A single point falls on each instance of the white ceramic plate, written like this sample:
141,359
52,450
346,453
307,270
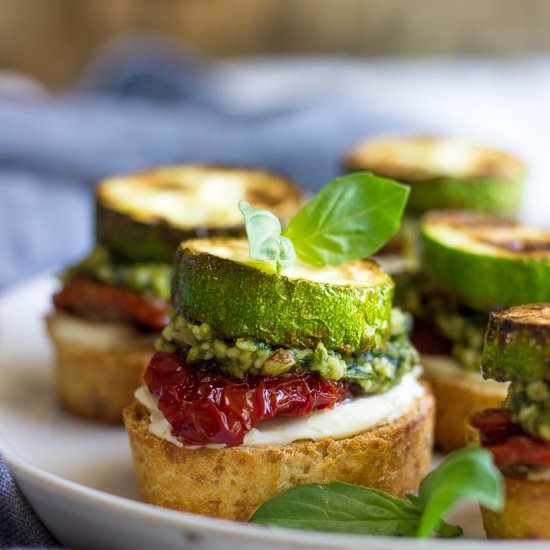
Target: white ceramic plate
78,475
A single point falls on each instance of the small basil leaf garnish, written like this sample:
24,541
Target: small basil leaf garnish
264,236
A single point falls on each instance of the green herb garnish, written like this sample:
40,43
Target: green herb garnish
342,508
350,218
264,236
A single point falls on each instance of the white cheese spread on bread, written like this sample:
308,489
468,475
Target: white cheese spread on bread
348,419
99,336
443,366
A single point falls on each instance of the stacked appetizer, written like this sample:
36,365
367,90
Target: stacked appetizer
445,173
284,363
442,173
474,263
517,349
114,303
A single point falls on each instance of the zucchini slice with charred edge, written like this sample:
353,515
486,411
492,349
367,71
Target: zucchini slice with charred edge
489,262
517,343
346,307
144,216
444,173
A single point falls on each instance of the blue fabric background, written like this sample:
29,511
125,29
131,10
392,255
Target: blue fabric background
138,110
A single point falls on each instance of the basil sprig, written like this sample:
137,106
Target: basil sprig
350,218
342,508
264,236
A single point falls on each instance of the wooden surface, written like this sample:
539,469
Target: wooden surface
53,38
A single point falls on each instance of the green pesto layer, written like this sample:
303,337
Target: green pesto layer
146,278
530,406
374,371
461,325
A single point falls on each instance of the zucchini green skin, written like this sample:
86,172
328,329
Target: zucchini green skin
136,241
483,281
491,195
517,350
238,300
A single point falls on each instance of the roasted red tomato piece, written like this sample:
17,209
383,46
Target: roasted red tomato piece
427,339
205,407
507,441
102,302
495,426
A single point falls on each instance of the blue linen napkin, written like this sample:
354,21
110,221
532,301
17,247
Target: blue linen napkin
19,526
145,105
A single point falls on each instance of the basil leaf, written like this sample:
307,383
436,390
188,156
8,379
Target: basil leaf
464,474
344,508
447,530
263,230
350,218
444,529
341,508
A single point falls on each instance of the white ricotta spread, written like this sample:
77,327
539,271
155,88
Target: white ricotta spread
443,366
103,336
345,420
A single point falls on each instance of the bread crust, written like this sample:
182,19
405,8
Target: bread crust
232,482
526,508
457,398
97,382
526,512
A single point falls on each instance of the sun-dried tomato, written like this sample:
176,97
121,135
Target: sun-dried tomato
103,302
507,441
427,339
495,426
206,407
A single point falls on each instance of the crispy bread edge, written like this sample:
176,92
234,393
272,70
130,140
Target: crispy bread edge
232,482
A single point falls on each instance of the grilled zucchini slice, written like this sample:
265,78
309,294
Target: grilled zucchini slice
346,307
144,216
488,261
517,344
445,173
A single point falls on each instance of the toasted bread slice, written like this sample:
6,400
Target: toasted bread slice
99,365
233,482
458,395
525,512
